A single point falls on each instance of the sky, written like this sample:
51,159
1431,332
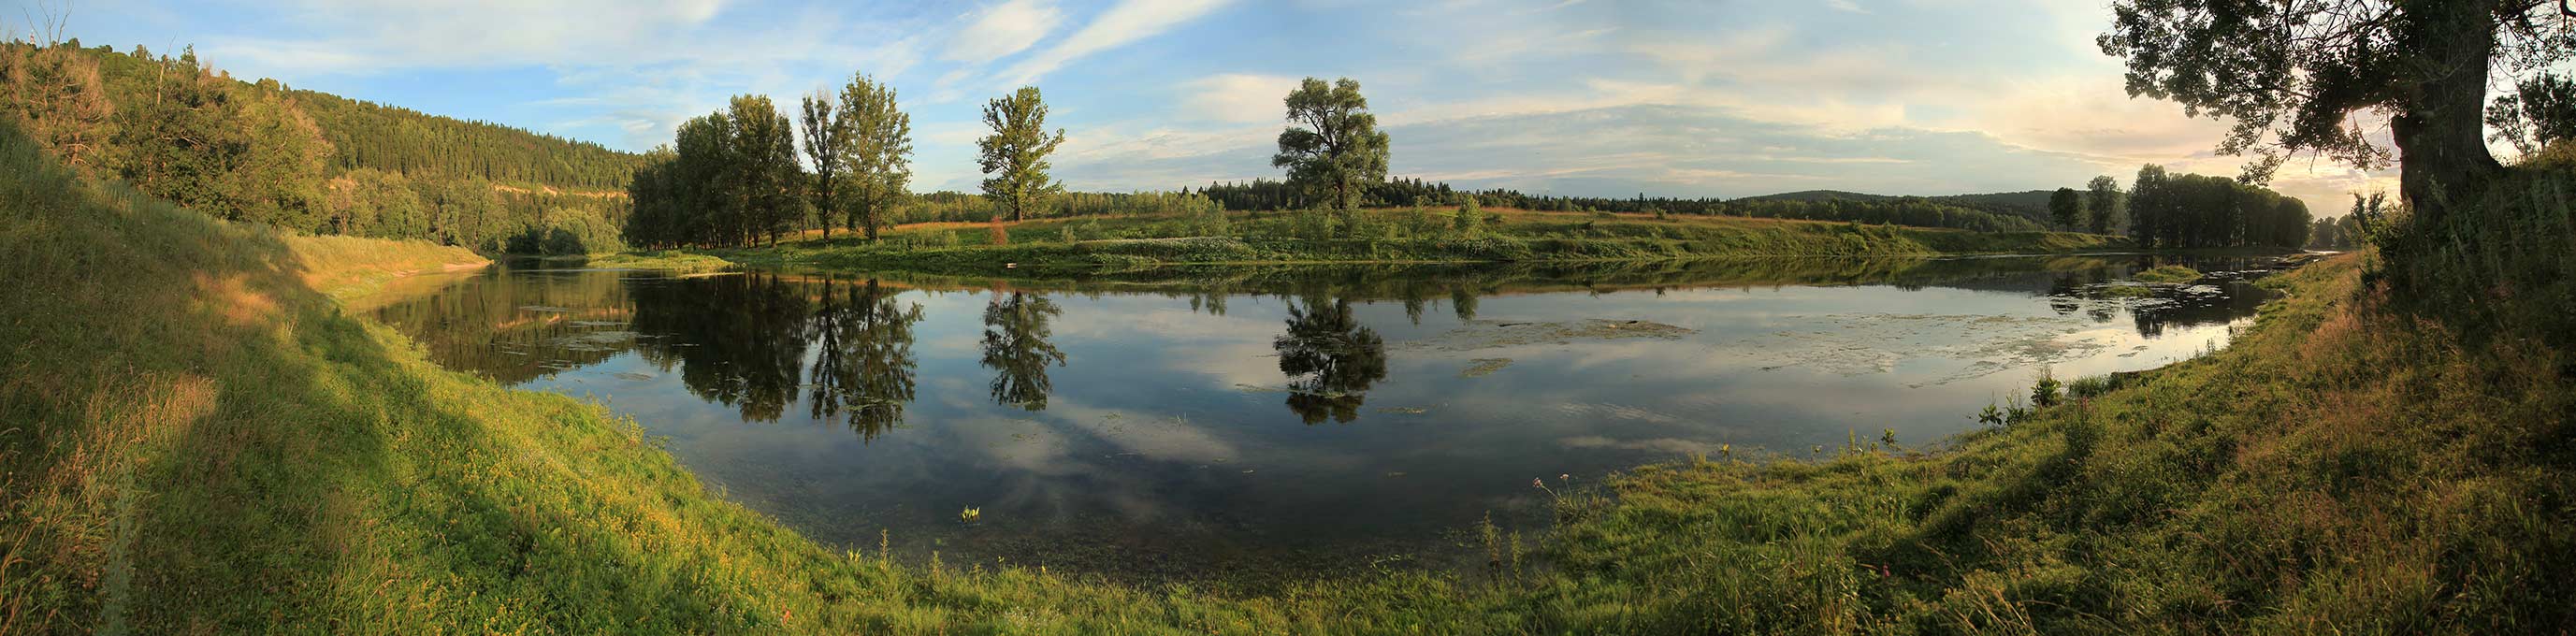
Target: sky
1685,98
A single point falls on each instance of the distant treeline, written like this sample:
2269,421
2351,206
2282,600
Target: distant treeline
1266,194
264,153
952,206
2190,210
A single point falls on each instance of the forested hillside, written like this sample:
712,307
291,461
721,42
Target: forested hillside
307,161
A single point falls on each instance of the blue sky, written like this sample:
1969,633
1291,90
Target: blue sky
1600,97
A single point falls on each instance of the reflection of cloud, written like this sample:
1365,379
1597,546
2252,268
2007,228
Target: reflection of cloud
1672,445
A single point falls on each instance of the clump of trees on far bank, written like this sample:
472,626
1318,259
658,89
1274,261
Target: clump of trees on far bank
2190,210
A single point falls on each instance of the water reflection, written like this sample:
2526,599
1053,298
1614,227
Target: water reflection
1134,419
863,363
735,340
1017,350
1330,359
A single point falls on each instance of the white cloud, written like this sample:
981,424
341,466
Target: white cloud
996,31
1845,5
464,33
1128,21
1238,97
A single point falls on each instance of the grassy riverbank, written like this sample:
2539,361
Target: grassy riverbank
198,440
1085,244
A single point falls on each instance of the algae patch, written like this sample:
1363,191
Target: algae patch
1482,367
1493,334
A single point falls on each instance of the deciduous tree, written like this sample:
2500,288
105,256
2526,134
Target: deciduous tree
2066,209
879,153
1332,144
2292,74
1015,154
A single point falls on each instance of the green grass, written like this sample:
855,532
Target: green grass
198,441
1383,237
666,260
2169,274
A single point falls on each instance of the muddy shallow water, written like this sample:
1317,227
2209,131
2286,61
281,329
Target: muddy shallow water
1220,422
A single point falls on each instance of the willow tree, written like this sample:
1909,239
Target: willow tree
1015,154
1332,144
2292,74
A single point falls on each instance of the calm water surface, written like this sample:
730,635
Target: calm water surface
1284,419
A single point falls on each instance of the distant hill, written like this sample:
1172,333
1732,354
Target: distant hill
1821,195
259,151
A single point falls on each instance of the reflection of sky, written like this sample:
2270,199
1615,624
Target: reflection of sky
1166,431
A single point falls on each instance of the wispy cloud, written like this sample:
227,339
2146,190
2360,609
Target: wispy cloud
1004,28
1125,22
1238,97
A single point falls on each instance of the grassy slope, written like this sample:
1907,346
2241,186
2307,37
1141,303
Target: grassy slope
1521,236
199,442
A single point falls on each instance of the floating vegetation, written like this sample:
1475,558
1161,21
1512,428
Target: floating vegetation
1861,344
970,515
1484,366
629,375
1403,410
1489,334
2169,274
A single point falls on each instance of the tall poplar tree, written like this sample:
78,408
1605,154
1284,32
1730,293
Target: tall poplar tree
1015,154
767,182
878,154
826,130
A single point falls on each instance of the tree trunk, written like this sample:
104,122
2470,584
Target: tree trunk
2441,141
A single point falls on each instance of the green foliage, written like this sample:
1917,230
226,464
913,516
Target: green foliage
1014,156
2169,274
2043,391
1469,220
1333,148
310,162
2539,112
733,179
2190,210
2505,274
2105,206
878,152
2066,209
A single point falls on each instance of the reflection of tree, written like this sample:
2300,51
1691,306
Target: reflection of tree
514,327
738,340
863,360
1016,348
1330,360
2239,299
1462,300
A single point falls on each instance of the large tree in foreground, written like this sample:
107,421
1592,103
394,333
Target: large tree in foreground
1015,154
1332,144
2293,73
